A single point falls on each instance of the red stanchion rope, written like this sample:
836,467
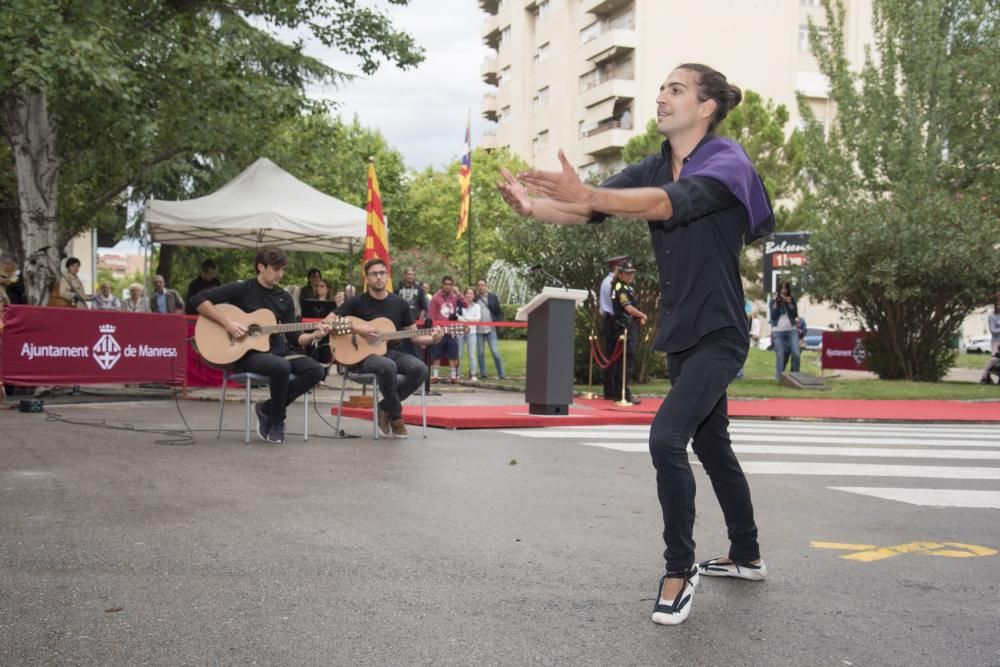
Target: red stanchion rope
604,362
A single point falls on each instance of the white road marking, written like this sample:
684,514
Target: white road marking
930,497
861,452
866,470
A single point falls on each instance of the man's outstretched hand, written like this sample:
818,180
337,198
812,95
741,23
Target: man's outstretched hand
562,186
514,193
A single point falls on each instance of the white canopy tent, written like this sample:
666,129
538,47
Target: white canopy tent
264,205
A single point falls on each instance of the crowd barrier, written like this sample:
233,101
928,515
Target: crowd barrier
69,346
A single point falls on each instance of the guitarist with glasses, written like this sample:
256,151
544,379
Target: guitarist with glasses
258,293
377,302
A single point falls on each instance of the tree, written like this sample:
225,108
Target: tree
99,96
430,213
906,233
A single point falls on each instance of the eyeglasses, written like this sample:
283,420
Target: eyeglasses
376,274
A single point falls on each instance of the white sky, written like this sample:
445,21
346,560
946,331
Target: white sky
422,112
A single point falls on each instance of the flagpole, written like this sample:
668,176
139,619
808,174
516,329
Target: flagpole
468,124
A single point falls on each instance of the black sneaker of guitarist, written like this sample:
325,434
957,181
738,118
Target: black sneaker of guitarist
399,374
276,363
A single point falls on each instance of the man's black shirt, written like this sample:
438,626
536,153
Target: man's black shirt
393,307
250,295
697,252
197,286
413,295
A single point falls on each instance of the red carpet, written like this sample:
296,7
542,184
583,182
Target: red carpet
600,413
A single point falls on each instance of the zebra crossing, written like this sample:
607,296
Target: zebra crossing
952,453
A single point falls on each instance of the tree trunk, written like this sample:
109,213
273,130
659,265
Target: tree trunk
33,142
165,265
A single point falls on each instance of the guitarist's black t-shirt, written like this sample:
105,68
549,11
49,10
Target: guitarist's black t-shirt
392,307
250,295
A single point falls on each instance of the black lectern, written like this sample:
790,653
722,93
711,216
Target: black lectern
551,320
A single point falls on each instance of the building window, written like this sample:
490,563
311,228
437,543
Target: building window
542,10
540,141
590,33
505,35
541,54
541,98
504,115
810,3
504,76
804,38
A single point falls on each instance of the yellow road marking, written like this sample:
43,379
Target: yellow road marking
867,553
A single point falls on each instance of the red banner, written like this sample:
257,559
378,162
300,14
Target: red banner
69,346
844,350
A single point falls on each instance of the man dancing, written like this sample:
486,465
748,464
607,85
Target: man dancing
703,200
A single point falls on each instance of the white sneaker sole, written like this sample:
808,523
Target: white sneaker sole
748,571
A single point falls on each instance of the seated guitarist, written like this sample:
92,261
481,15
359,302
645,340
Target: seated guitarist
254,294
375,302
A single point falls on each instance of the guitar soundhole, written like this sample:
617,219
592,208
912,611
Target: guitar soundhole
253,330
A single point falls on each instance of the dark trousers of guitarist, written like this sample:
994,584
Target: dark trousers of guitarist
399,375
279,369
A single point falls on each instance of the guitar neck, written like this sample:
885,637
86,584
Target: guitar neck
287,328
399,335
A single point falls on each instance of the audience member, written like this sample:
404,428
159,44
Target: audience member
784,336
413,294
136,302
207,278
70,286
164,299
628,318
349,291
489,311
339,298
993,322
471,311
308,291
105,300
11,283
321,303
444,306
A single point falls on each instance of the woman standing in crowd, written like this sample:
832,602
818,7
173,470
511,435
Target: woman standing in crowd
784,335
105,300
470,312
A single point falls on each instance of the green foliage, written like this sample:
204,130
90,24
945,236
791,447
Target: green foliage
906,233
430,215
168,97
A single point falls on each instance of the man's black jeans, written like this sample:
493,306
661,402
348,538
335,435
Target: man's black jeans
308,373
696,407
387,369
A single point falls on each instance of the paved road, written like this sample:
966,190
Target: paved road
482,547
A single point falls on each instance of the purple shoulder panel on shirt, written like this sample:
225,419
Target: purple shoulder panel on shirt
725,160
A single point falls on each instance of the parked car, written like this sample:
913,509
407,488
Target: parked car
813,340
979,345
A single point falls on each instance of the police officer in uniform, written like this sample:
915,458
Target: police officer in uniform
628,317
608,336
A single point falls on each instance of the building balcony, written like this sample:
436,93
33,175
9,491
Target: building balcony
490,32
605,140
610,44
488,140
489,107
620,87
490,6
490,71
601,7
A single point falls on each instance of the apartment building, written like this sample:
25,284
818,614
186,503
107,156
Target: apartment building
583,75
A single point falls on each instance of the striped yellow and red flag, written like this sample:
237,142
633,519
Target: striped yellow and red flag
465,181
377,236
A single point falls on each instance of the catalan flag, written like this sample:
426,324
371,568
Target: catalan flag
377,236
465,181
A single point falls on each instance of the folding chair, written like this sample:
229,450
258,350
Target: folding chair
366,379
254,379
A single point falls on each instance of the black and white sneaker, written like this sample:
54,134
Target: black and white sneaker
675,612
751,571
263,421
276,434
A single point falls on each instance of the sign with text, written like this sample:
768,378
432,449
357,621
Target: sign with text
781,251
844,350
69,346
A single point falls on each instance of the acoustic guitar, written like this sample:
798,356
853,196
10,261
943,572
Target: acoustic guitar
350,348
219,348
